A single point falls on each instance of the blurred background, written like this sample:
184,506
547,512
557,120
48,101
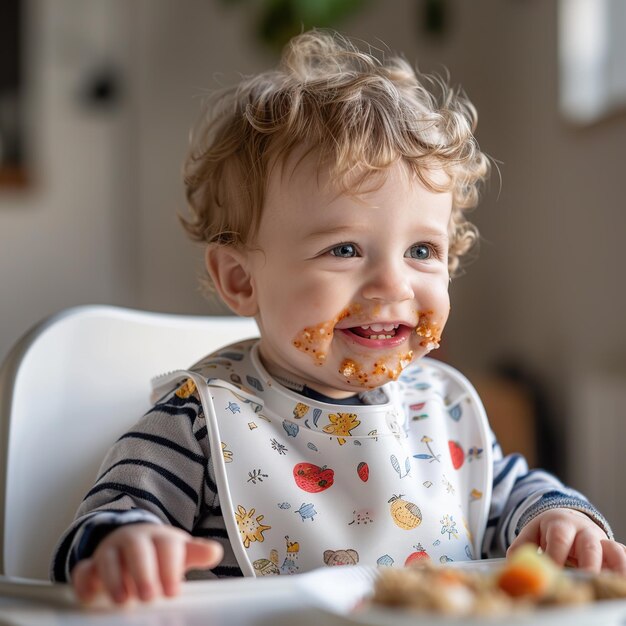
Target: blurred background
96,101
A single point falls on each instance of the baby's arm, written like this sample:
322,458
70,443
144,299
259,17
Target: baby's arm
569,536
142,561
521,496
155,476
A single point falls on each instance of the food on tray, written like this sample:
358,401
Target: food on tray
529,574
525,581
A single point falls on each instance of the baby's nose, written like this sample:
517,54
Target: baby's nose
388,284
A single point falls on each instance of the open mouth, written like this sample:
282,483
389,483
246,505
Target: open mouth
378,335
375,331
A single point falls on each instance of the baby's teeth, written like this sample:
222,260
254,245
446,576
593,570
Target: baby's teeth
380,327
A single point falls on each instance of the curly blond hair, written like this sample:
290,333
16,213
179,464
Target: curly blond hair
359,114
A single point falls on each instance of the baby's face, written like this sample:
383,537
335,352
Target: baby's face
350,289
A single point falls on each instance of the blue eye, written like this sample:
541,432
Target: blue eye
420,251
344,250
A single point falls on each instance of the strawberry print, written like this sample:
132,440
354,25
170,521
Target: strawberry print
363,470
312,478
456,454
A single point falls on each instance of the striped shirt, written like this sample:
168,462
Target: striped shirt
161,472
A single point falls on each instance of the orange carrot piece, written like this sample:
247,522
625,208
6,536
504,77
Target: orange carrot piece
519,580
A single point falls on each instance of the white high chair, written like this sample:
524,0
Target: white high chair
68,389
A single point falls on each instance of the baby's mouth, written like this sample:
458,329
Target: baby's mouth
380,335
375,331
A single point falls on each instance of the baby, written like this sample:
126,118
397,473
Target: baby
331,195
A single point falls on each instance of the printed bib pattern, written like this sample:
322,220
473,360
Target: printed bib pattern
302,483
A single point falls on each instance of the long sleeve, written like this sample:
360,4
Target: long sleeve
158,472
520,494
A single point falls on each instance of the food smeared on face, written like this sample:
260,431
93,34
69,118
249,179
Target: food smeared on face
315,340
383,370
429,331
382,349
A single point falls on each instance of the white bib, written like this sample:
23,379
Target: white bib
303,483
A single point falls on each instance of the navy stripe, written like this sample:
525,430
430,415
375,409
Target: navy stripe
201,434
220,533
168,409
63,555
521,483
209,483
511,515
137,493
224,571
73,559
507,468
555,494
122,495
493,522
186,488
58,566
178,401
174,400
216,510
168,443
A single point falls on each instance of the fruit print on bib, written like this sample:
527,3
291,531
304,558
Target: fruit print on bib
312,478
368,484
405,514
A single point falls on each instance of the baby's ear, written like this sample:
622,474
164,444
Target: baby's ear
228,268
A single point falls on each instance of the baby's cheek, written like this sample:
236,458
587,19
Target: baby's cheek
429,330
315,340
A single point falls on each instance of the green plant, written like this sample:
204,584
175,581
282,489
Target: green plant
276,21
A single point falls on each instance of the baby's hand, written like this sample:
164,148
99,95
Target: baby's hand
142,561
570,536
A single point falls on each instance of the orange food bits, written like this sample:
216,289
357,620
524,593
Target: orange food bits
528,573
520,580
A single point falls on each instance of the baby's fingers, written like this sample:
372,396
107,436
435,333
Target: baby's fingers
202,553
171,558
559,540
528,534
85,580
110,572
140,562
614,556
588,551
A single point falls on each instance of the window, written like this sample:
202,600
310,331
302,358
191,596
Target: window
592,58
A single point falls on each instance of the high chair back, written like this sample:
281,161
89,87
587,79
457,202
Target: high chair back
68,389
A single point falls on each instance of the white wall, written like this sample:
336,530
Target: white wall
184,49
64,240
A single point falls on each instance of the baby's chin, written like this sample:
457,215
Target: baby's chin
343,373
375,371
344,386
